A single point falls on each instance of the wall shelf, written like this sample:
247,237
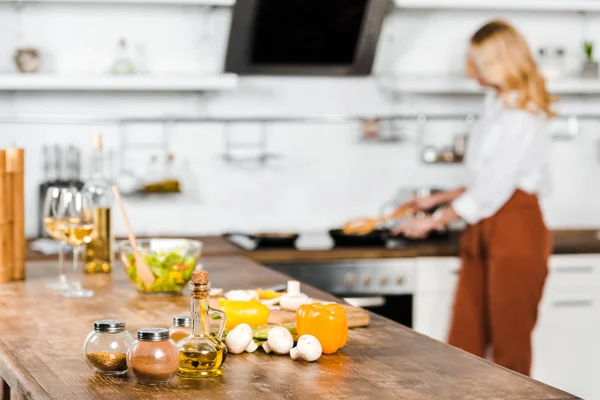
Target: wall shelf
509,5
165,83
207,3
459,85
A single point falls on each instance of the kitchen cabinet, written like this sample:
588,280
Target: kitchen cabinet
436,279
509,5
565,349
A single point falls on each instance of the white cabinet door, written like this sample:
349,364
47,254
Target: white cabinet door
565,341
432,313
436,279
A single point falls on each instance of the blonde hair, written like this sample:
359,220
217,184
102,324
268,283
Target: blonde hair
502,58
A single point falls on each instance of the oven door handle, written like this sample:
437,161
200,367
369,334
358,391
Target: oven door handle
362,302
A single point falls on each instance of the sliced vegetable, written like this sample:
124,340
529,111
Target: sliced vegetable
171,271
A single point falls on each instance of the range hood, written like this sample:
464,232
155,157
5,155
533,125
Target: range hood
304,37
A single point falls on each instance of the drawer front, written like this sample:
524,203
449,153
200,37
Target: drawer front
573,271
437,274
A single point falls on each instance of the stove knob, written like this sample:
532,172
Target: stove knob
400,280
350,280
384,281
367,281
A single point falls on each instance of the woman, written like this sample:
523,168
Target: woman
505,248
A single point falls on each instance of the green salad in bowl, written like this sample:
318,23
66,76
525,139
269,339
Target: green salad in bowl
170,260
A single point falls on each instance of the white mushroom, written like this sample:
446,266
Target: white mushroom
308,348
279,341
239,339
251,347
293,298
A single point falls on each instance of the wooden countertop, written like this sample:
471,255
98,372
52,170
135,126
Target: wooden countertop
565,242
43,333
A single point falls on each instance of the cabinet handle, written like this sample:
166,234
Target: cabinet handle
575,270
573,303
378,301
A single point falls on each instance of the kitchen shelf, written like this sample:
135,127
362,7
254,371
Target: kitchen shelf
509,5
174,83
459,85
208,3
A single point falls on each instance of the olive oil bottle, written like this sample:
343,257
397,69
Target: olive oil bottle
202,354
99,255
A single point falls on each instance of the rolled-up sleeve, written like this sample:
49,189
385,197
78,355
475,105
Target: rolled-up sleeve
497,174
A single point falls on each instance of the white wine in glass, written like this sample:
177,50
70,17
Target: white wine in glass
78,226
78,234
53,225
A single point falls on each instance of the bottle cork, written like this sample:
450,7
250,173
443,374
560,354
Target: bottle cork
200,277
5,233
97,141
15,165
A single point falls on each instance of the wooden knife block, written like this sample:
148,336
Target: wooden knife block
12,214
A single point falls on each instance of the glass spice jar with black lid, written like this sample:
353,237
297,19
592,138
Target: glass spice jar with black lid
153,358
106,347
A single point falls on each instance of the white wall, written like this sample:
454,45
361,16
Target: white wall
325,173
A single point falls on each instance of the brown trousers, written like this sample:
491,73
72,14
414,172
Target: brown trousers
504,267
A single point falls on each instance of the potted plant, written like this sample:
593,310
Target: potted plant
590,67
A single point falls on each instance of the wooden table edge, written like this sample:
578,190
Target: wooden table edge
21,383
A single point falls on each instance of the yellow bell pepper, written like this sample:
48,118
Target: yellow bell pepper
252,312
326,322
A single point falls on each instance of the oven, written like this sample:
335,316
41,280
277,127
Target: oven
383,286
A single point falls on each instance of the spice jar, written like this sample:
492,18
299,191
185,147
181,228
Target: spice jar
106,347
153,358
181,327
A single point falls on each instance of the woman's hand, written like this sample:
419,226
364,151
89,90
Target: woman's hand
416,204
417,228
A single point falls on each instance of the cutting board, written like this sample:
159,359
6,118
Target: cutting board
357,317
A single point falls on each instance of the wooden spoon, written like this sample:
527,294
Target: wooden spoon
364,226
142,268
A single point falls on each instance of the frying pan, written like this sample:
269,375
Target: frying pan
269,240
376,238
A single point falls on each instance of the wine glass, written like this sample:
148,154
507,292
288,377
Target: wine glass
78,224
53,226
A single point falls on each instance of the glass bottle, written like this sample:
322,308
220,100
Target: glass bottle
201,354
106,347
99,255
152,360
123,64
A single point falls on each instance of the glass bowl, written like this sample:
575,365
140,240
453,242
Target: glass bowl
170,260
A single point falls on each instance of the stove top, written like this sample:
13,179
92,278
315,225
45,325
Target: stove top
314,241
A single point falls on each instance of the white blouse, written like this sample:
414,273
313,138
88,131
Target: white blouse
508,149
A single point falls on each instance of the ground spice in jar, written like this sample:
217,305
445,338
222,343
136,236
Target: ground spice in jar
153,358
180,328
107,361
178,334
147,370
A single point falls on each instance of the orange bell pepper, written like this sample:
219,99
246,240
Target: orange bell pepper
326,322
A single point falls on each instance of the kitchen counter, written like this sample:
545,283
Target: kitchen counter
43,333
565,242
